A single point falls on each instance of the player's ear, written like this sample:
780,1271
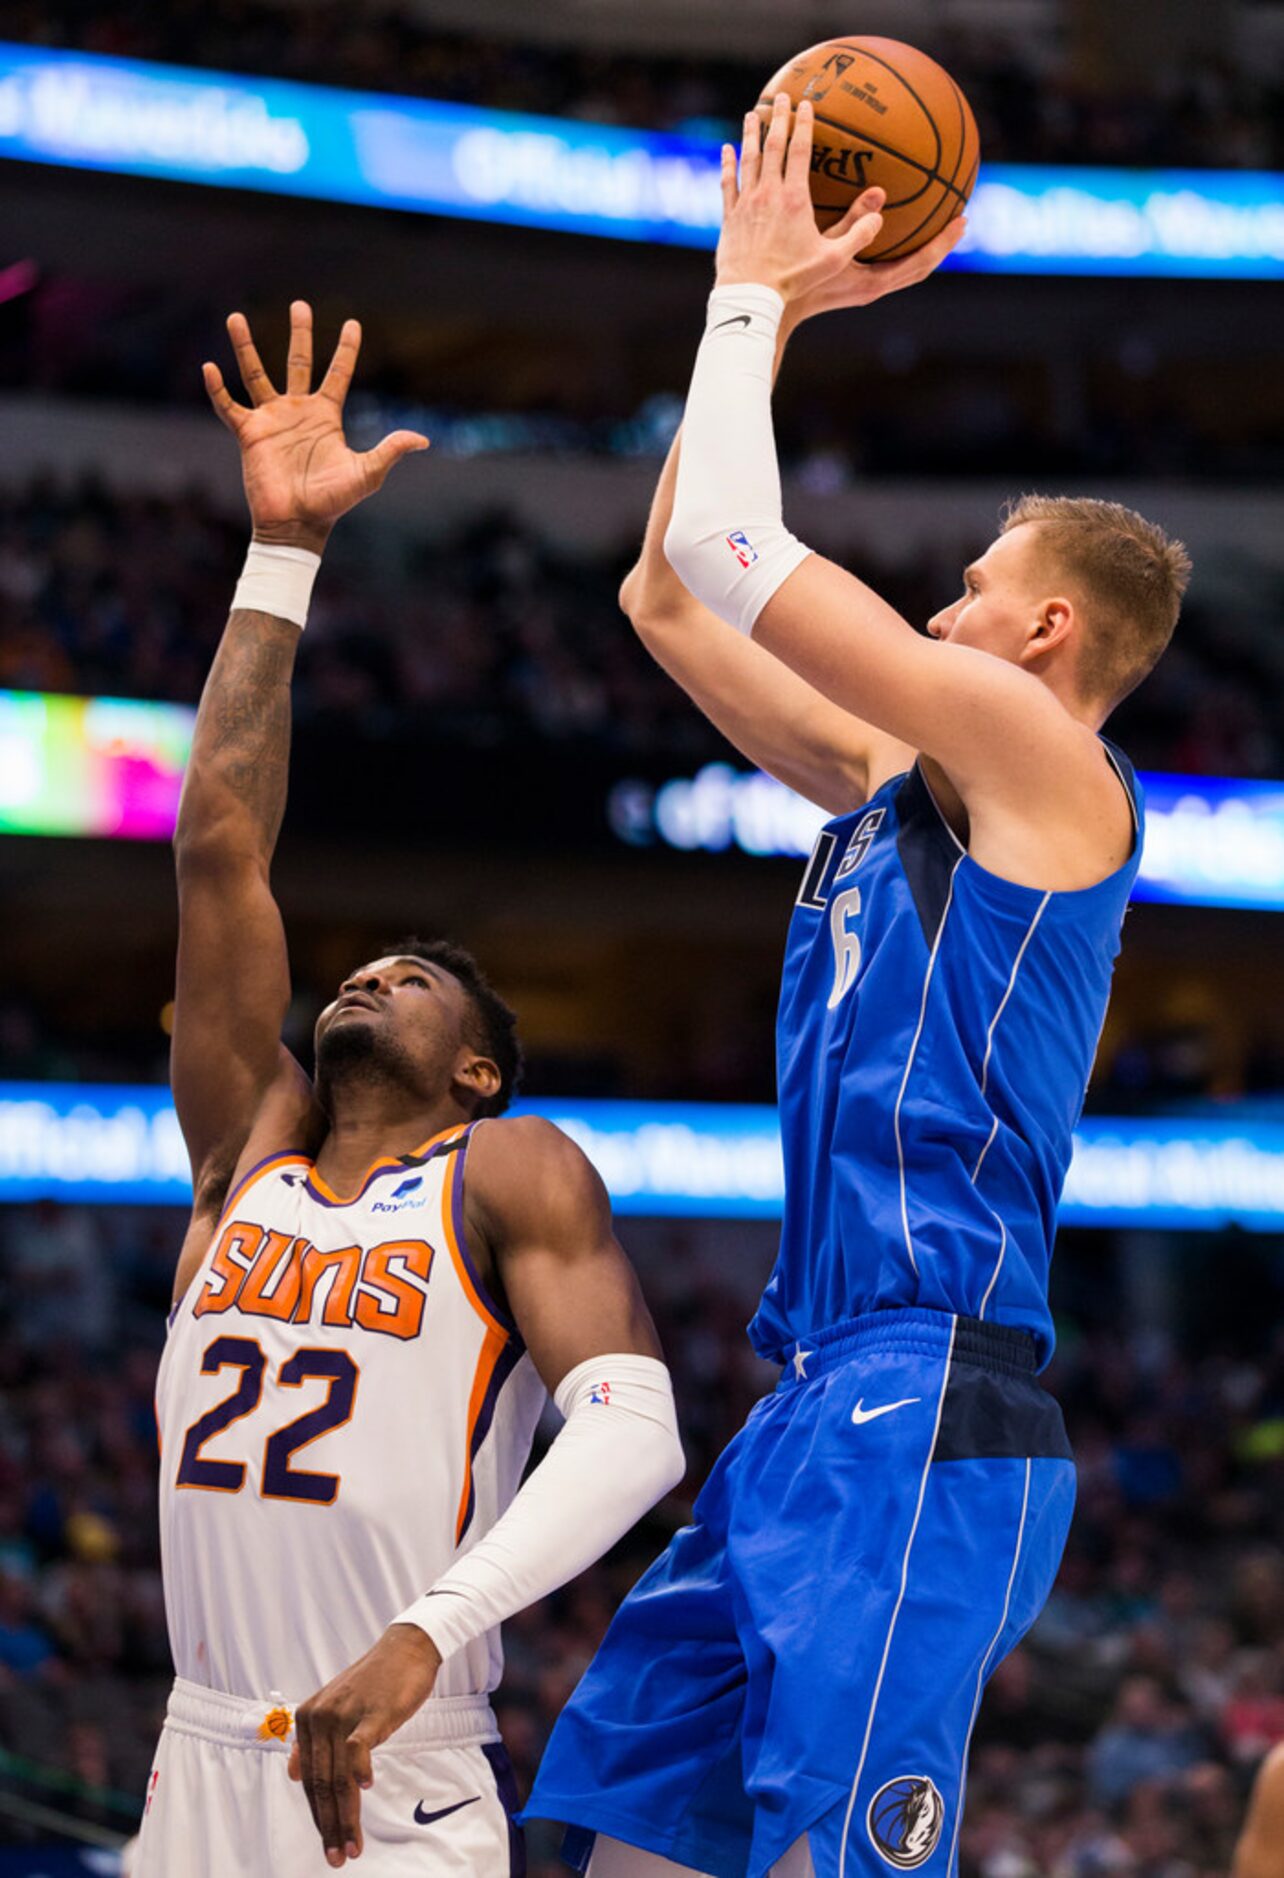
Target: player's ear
1051,624
478,1075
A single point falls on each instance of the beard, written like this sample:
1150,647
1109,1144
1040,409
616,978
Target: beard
354,1053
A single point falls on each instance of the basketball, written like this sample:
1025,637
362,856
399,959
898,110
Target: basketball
886,115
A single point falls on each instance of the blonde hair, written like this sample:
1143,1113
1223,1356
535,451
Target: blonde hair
1131,577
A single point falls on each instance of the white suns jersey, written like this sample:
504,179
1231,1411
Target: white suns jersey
343,1411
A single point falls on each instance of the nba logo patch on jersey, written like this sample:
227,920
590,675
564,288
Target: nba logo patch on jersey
904,1821
743,549
861,842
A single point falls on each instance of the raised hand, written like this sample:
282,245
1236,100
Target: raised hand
300,476
769,231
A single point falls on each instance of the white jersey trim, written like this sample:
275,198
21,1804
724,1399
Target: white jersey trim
922,1016
985,1664
900,1599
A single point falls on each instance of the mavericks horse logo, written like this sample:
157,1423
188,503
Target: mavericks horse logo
905,1819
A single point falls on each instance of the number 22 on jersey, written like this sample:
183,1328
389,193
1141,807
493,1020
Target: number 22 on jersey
278,1480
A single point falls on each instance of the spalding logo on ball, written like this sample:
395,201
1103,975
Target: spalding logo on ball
885,115
905,1819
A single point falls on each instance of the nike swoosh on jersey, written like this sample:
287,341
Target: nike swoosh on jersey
426,1819
737,319
861,1414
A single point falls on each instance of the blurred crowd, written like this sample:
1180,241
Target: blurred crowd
1033,101
1121,1737
494,635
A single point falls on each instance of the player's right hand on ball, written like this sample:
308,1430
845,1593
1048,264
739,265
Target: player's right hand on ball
300,476
336,1729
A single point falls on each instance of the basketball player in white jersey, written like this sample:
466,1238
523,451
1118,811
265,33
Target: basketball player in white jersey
380,1282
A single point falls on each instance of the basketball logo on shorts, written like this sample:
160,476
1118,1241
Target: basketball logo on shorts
276,1724
905,1819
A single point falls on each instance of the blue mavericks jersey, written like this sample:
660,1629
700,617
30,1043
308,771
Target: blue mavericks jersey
936,1032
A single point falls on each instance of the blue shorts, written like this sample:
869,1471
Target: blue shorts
809,1655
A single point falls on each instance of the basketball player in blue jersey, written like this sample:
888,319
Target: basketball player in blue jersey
792,1687
382,1280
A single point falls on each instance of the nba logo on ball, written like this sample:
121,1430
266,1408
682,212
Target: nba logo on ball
743,549
905,1819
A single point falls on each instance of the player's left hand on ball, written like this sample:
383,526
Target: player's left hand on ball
769,231
336,1729
862,283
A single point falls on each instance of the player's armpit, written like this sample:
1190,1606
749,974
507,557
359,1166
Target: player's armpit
287,1117
539,1206
995,729
772,716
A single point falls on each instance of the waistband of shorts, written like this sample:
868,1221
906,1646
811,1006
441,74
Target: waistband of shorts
925,1333
267,1721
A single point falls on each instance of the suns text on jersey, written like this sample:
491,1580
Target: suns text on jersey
263,1273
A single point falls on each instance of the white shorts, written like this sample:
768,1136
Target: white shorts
221,1805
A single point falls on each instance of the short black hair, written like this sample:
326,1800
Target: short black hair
494,1030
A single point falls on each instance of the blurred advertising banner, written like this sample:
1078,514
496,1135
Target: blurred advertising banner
91,112
116,1142
114,767
91,766
1210,840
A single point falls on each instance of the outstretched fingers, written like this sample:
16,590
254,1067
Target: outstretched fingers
379,461
298,381
344,363
259,387
228,410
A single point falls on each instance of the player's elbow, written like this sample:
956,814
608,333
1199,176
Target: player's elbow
670,1467
657,1463
211,844
632,595
654,608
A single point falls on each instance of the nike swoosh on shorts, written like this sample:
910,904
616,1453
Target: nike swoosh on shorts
861,1414
426,1819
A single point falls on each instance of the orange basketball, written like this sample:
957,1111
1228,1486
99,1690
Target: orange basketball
885,115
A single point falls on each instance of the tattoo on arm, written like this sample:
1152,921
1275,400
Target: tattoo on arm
241,746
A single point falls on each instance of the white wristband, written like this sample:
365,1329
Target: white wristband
277,581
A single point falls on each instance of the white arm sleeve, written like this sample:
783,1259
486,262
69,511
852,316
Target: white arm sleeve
727,541
617,1455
